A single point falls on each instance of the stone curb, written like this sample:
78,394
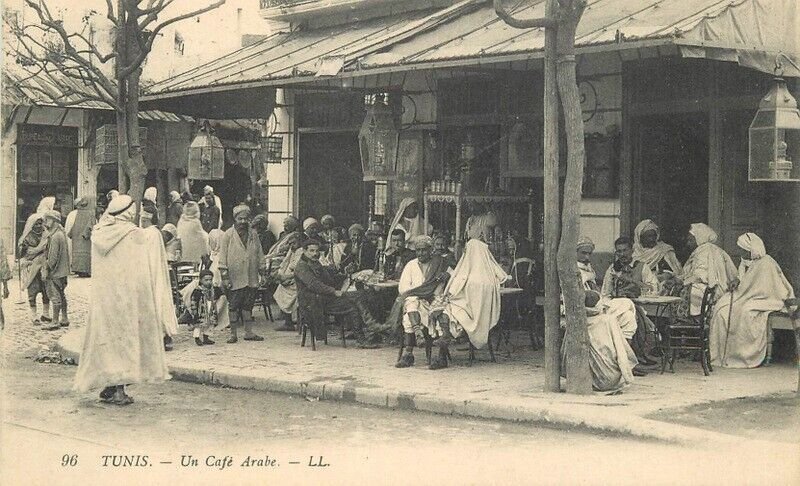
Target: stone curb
560,416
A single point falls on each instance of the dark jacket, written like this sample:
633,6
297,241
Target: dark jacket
364,259
316,285
151,208
396,262
209,217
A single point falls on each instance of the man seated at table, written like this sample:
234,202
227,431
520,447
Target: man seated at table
397,255
629,279
471,299
355,254
421,279
441,246
318,293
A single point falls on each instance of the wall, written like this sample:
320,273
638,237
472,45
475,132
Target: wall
281,177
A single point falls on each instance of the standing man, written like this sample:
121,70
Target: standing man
239,263
210,198
131,306
210,213
175,208
56,268
80,233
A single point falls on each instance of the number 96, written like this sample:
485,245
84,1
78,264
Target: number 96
69,460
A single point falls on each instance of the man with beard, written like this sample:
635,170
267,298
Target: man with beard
56,269
317,292
239,264
356,254
422,279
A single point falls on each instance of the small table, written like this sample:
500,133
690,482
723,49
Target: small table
657,306
386,284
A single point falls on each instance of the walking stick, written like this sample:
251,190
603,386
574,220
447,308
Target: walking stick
20,300
727,333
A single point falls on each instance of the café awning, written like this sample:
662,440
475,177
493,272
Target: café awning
752,33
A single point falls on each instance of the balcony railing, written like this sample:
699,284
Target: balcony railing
279,3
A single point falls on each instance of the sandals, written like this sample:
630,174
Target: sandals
405,361
124,400
108,393
232,340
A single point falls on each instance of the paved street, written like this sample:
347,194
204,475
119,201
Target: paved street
43,421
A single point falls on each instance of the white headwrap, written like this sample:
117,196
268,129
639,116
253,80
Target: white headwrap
309,222
422,241
174,196
122,207
241,208
702,233
151,194
752,243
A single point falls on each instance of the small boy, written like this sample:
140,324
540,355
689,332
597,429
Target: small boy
204,307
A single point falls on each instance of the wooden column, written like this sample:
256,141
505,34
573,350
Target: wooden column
552,213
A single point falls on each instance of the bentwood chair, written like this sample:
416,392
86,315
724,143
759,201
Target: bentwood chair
522,273
690,334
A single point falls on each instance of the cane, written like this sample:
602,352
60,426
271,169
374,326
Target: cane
20,300
727,333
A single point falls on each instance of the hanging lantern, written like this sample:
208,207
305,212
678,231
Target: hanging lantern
378,140
775,137
206,155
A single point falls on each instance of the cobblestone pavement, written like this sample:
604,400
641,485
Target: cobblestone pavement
21,337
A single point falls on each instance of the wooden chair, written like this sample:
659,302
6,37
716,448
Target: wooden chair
307,327
690,334
522,276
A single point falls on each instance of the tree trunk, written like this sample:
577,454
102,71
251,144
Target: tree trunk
579,377
137,171
552,328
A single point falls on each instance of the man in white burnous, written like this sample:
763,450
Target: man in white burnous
130,306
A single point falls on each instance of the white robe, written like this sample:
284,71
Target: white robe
621,309
741,342
130,308
707,266
472,296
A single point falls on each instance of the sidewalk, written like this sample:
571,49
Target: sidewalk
509,389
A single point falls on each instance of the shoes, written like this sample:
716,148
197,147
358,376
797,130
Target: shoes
167,343
64,324
198,341
206,340
254,337
36,322
107,393
232,340
54,327
45,319
405,361
638,371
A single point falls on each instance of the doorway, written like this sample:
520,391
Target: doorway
671,181
331,178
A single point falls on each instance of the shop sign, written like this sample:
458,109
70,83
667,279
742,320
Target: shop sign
47,136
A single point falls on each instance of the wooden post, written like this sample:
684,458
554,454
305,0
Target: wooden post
552,230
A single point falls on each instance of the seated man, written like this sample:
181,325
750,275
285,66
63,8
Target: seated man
422,279
317,292
650,250
397,255
707,266
624,280
355,254
470,302
611,360
738,335
441,246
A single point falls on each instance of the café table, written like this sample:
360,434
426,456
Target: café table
657,306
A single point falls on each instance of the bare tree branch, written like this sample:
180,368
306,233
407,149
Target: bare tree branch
136,63
103,58
504,14
110,12
46,19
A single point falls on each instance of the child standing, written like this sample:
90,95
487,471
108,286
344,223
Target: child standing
204,307
5,276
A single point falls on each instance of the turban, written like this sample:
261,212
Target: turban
204,273
52,214
702,233
171,229
326,218
422,241
112,194
174,196
355,226
208,190
122,206
752,243
644,225
585,242
81,203
309,222
151,194
241,209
